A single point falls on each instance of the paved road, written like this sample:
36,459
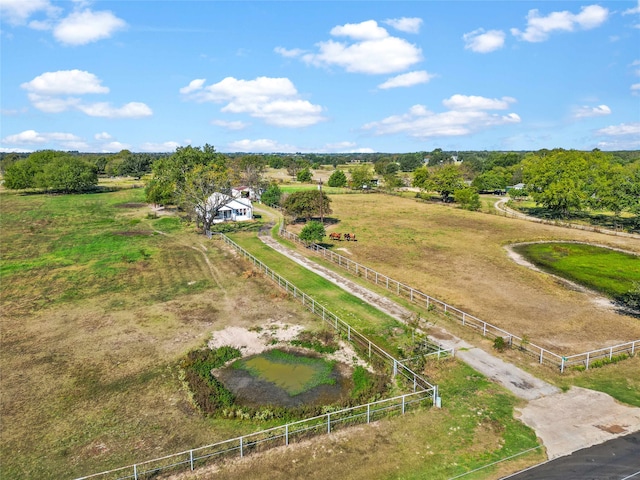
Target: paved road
617,459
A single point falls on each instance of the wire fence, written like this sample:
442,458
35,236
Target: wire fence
422,394
265,439
542,355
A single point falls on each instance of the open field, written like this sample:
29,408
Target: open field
101,300
92,331
458,257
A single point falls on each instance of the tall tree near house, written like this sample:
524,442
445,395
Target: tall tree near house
206,189
361,177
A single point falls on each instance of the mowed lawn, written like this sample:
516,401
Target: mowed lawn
97,309
459,257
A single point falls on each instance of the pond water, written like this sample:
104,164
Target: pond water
297,379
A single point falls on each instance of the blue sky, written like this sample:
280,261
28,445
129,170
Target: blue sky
330,76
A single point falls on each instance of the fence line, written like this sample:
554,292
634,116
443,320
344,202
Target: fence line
422,393
543,356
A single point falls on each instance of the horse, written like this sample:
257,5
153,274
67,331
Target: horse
335,236
350,237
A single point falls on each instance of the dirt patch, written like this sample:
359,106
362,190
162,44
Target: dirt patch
134,233
130,205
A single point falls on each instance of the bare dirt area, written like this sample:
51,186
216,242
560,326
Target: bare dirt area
459,257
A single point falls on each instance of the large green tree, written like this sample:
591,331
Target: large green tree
306,204
272,195
206,189
446,180
361,177
566,180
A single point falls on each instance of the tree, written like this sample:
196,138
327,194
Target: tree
337,179
206,189
169,174
491,181
361,177
422,178
468,198
272,195
307,203
564,180
392,181
304,175
446,180
70,174
313,232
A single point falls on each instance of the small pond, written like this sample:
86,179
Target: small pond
286,378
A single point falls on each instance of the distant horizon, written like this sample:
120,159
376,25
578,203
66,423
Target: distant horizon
263,77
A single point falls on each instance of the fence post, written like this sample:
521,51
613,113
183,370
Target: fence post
610,353
368,412
587,366
395,367
369,348
541,353
562,365
286,434
349,333
402,404
191,458
135,472
328,423
464,315
633,347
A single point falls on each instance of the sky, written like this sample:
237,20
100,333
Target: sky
319,76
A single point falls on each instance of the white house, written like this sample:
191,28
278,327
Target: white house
233,210
245,192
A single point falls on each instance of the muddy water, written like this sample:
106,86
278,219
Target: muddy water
280,384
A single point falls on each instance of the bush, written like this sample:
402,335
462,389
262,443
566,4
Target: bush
499,344
337,179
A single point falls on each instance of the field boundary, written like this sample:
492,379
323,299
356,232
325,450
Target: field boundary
423,393
584,360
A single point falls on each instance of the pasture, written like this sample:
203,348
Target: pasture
101,299
459,257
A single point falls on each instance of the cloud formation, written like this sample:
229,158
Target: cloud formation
407,80
588,112
57,92
274,100
405,24
466,115
86,26
481,41
79,27
232,126
31,137
540,27
368,49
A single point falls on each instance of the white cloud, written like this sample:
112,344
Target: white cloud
102,136
15,150
632,11
374,51
484,42
405,24
105,109
47,93
274,100
368,30
343,147
407,80
233,126
587,112
17,12
86,26
262,145
72,82
472,102
635,89
539,27
194,86
159,147
294,52
114,147
31,137
623,129
467,115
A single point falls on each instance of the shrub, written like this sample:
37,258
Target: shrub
499,344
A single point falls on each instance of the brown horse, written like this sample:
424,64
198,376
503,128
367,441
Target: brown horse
335,236
350,237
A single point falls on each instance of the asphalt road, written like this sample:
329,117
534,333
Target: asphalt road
617,459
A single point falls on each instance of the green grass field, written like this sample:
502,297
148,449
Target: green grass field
604,270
